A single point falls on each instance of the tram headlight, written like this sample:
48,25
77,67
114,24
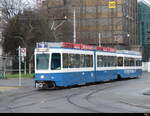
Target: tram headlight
42,77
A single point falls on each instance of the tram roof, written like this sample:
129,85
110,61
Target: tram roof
83,47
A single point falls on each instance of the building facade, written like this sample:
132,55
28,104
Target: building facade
144,29
110,23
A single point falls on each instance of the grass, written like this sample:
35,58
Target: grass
17,75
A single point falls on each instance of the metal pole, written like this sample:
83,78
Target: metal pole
25,68
74,34
99,39
4,67
19,66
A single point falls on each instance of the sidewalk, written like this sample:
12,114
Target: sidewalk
13,83
4,89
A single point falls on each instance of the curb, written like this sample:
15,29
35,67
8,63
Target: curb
146,93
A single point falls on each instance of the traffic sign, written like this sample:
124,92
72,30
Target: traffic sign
23,52
112,4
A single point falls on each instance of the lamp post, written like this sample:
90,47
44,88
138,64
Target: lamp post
74,26
99,37
4,66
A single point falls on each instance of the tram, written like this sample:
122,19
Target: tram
66,64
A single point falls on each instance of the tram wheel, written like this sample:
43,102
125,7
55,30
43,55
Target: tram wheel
118,77
51,85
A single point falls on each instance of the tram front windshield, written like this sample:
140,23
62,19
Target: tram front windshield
42,61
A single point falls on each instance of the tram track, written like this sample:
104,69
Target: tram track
14,97
69,95
12,105
86,97
92,92
8,98
12,102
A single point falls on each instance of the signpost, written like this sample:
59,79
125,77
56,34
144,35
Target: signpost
112,4
19,66
22,54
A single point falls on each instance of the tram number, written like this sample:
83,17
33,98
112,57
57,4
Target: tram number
129,71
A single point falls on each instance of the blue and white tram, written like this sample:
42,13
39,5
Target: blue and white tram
130,64
67,64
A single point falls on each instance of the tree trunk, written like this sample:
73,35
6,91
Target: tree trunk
30,67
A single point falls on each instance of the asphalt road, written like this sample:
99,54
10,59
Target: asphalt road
125,96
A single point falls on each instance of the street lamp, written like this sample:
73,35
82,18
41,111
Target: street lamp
74,26
128,35
56,27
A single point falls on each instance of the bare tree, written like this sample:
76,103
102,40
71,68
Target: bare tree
60,24
25,30
11,8
26,27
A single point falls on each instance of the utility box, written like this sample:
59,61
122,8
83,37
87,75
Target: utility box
148,67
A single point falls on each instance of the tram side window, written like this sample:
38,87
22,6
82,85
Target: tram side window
120,61
82,61
56,61
85,61
109,61
99,61
91,60
65,60
71,60
113,61
126,61
138,62
88,61
132,62
106,61
77,60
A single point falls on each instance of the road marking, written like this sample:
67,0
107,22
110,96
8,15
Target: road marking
4,88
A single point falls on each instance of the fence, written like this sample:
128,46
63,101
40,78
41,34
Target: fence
10,65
